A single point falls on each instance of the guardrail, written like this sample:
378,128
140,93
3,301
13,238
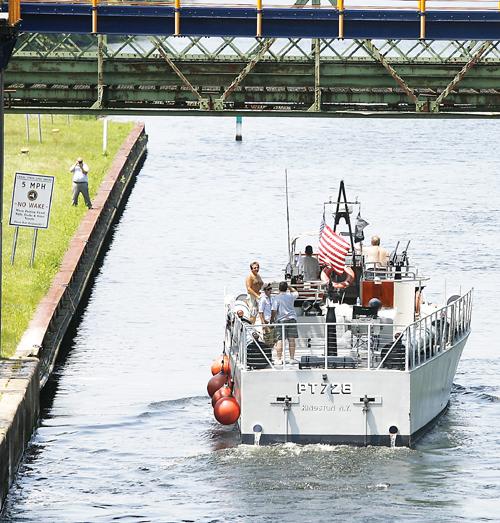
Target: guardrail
420,7
371,344
437,332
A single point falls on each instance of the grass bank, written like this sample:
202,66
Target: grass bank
63,141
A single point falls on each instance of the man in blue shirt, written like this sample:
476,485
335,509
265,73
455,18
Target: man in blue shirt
283,311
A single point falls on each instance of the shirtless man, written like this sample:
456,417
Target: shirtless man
376,254
253,284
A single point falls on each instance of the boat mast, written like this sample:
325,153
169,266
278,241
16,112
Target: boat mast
288,219
345,214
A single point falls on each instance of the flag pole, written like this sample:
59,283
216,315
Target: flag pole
288,218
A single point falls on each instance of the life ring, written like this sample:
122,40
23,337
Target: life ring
349,273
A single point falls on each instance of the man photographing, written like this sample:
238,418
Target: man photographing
80,172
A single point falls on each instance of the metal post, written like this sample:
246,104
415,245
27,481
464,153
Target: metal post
422,18
105,135
1,200
239,121
258,32
14,245
177,17
27,127
317,88
369,347
340,7
326,345
33,246
39,128
94,16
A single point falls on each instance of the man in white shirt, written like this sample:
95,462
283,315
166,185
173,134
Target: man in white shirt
309,265
283,311
265,312
80,172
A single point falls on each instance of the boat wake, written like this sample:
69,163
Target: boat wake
481,392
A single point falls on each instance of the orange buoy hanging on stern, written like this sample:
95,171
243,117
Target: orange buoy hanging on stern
215,383
223,392
227,411
221,363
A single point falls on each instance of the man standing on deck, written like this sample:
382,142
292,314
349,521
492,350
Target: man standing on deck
283,311
80,172
309,265
376,254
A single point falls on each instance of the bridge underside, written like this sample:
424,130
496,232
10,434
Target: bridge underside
319,77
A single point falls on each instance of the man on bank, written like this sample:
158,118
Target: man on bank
80,171
283,312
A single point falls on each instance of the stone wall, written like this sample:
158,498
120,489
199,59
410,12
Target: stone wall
23,376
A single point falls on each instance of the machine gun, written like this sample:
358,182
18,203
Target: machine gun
398,261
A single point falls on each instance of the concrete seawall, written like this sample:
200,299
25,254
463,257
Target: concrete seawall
23,376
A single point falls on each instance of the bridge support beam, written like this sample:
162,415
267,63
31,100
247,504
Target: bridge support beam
101,46
219,104
316,106
203,102
434,105
375,53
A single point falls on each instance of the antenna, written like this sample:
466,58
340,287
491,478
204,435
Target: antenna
288,218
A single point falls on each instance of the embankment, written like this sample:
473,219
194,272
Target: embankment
23,375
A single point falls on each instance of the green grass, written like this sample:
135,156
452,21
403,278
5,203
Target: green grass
23,286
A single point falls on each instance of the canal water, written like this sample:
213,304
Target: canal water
127,432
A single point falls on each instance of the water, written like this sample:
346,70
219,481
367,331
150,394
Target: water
129,434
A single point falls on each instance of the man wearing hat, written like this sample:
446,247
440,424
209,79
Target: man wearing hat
80,172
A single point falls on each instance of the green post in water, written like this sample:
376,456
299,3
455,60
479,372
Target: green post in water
239,120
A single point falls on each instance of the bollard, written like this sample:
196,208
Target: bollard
239,121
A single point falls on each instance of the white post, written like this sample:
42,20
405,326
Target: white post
27,127
104,135
39,128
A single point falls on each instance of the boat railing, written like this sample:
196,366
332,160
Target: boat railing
353,344
391,272
371,344
433,334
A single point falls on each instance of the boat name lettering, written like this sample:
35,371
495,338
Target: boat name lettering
325,408
324,388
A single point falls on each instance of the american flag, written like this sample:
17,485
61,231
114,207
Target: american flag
322,224
332,249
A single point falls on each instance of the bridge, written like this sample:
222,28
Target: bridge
306,60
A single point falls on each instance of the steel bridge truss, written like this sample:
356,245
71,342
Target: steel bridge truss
124,74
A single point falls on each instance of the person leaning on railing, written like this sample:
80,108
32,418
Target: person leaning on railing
283,312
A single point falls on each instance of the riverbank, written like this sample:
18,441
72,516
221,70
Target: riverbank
63,140
22,377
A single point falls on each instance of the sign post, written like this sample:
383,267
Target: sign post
31,202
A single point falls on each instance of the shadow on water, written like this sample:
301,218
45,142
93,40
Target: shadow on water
50,389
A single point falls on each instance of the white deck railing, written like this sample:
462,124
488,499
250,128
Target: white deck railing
370,344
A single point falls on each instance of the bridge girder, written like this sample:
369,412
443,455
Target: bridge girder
202,75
